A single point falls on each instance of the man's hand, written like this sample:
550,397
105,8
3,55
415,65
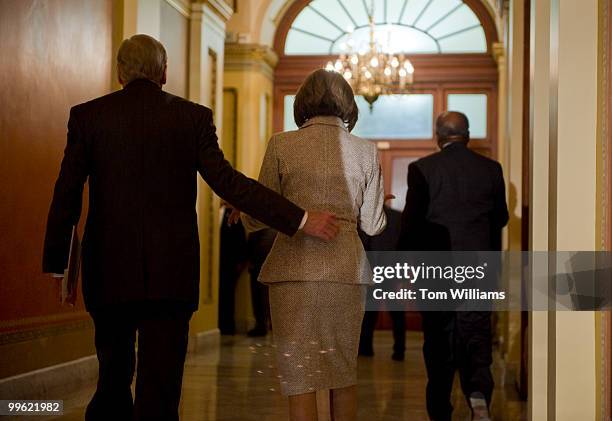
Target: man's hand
322,225
234,217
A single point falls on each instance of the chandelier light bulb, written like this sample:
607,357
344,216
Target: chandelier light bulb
408,66
373,67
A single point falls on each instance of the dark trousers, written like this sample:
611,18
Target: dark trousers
398,319
162,344
456,341
259,300
227,300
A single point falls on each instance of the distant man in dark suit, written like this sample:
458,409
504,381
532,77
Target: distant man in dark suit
233,257
259,244
140,149
456,201
385,241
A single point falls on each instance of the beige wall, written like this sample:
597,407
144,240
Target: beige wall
174,34
248,73
564,108
207,43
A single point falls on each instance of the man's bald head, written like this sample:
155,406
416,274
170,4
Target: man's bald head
452,126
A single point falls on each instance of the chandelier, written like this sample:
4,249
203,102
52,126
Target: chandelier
372,72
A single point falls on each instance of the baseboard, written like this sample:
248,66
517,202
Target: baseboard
203,341
51,382
62,379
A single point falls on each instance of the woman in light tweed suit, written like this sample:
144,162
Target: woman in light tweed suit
316,287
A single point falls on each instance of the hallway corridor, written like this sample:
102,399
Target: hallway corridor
235,382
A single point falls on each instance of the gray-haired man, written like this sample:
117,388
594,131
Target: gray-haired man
140,149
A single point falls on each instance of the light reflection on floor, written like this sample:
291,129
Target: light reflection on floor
237,381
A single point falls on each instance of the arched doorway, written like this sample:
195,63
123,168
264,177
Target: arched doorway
449,42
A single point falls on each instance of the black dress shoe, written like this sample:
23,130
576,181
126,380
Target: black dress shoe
397,356
257,331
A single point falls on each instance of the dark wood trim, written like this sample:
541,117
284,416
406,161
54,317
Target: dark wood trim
430,67
523,375
608,117
607,23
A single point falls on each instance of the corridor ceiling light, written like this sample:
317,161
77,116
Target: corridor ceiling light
370,70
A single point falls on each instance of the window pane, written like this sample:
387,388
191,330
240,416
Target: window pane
413,10
311,21
396,117
289,123
472,41
436,10
474,106
460,19
334,12
393,117
399,181
301,43
334,20
395,39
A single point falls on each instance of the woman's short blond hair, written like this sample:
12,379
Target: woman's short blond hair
141,57
325,93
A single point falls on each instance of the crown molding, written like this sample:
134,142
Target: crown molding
220,7
257,57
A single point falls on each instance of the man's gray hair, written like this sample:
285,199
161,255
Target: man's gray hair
141,57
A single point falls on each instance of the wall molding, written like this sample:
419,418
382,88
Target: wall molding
51,382
255,57
222,9
38,320
65,378
204,341
23,335
181,6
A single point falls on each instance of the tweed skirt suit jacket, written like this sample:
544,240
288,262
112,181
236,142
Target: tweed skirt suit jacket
316,287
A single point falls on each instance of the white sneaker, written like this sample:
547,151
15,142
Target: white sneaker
480,411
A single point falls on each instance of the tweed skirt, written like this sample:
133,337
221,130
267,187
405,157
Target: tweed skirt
316,327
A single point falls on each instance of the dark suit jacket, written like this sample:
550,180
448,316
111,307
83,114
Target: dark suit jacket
455,201
388,239
141,149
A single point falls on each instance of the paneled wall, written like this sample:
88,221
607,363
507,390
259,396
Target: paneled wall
54,54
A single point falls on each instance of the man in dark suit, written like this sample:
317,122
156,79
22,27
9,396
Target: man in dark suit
456,201
259,244
233,257
385,241
140,149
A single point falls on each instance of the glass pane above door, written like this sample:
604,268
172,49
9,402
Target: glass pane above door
392,117
474,106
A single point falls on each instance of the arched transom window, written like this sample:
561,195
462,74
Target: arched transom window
408,26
